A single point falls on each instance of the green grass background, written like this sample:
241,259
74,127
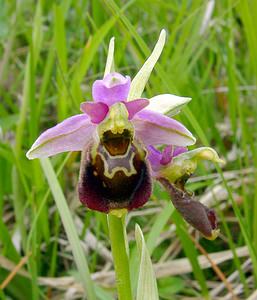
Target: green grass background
50,54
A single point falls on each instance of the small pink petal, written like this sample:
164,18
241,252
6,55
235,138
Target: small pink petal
96,111
154,156
166,155
113,88
179,150
153,128
135,106
70,135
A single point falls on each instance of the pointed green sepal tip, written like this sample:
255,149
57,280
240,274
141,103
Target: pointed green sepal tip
109,67
207,153
139,82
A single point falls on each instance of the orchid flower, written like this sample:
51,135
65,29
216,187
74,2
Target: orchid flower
118,133
172,167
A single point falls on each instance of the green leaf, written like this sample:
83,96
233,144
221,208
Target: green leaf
158,226
147,286
8,121
170,286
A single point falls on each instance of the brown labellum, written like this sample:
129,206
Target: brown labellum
114,174
195,213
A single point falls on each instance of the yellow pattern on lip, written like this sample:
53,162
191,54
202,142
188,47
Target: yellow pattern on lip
119,212
128,169
116,121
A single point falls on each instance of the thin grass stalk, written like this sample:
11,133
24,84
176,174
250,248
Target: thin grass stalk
70,228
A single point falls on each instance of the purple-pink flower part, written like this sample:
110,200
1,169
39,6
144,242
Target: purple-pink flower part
113,88
195,213
96,111
158,158
115,170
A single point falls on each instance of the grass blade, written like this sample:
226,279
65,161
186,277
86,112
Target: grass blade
69,227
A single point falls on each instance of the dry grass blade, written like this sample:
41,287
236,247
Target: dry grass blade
107,278
14,271
253,296
183,266
216,269
169,268
232,278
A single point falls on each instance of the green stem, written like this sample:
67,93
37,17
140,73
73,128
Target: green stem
120,257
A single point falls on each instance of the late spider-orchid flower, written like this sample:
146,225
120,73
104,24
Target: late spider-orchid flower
116,133
113,134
